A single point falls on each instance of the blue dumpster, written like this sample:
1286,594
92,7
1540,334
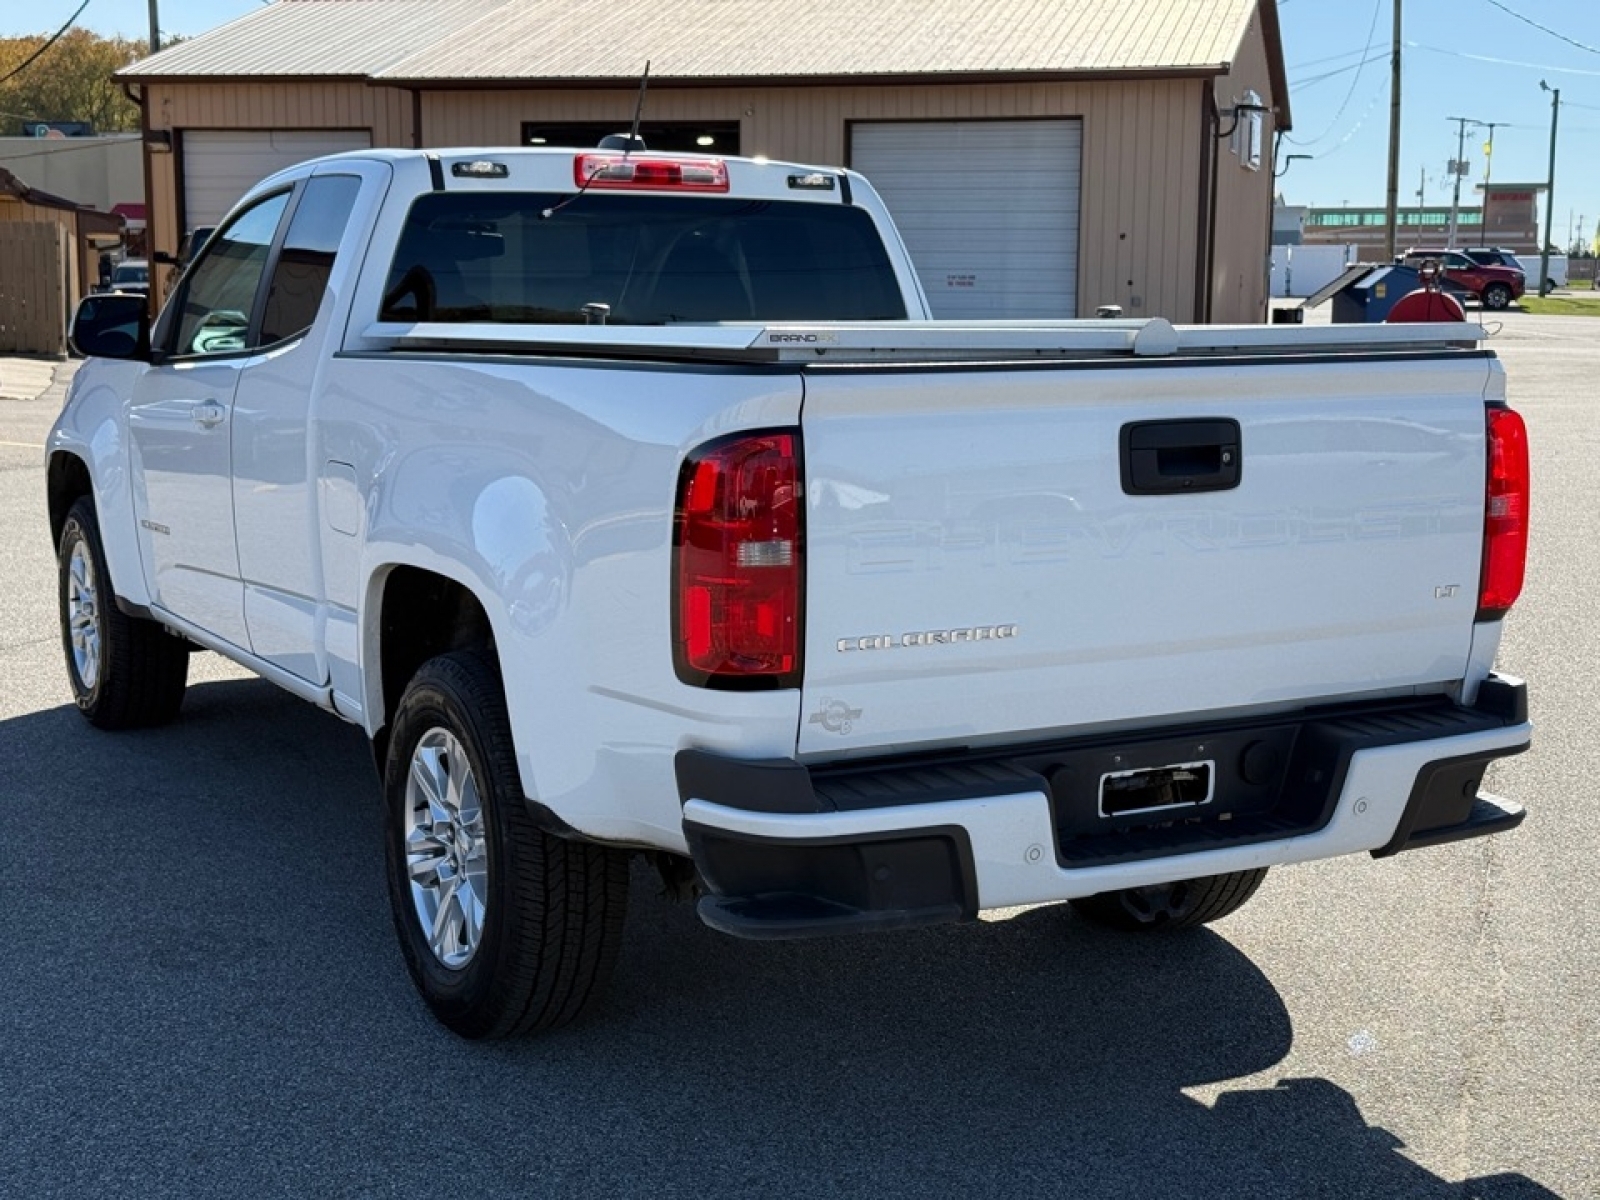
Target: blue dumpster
1369,298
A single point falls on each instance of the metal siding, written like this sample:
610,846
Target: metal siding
307,39
327,104
1244,197
1140,156
989,210
550,40
219,166
1140,164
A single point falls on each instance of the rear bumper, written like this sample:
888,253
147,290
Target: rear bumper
788,850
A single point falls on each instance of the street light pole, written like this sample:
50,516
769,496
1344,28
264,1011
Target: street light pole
1550,192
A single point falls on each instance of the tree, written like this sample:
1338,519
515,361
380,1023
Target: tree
70,81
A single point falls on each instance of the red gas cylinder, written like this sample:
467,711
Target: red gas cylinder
1428,302
1426,305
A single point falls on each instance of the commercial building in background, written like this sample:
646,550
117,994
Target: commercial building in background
1508,217
1040,160
97,172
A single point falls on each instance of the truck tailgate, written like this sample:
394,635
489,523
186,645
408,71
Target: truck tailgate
984,556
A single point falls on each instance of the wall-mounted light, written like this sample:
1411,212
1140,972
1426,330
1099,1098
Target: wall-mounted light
158,141
1239,110
705,139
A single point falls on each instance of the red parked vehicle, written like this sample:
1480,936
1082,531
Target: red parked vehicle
1495,286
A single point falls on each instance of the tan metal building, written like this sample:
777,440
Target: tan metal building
1042,158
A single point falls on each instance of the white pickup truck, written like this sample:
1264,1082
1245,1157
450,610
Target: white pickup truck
632,504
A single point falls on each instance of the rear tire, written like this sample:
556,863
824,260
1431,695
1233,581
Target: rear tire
1497,296
505,928
1180,905
126,672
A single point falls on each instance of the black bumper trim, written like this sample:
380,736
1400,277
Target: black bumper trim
1446,806
774,888
1490,814
1276,778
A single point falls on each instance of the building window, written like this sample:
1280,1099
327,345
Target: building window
686,137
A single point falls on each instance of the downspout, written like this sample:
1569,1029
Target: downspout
155,289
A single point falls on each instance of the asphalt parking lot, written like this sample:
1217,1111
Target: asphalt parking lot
202,994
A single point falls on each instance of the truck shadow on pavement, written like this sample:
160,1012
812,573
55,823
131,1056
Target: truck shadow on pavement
223,1011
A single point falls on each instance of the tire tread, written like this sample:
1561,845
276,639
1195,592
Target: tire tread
1207,898
564,901
144,669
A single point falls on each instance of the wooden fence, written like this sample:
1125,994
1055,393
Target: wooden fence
35,288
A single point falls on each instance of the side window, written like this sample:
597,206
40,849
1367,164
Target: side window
214,313
300,277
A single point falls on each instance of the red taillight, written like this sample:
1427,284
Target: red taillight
737,563
632,171
1505,516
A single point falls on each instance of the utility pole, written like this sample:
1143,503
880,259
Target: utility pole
1488,157
1550,194
1458,168
1392,209
155,27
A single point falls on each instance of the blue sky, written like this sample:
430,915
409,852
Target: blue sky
1463,58
126,18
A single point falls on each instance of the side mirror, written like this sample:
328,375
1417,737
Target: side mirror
113,325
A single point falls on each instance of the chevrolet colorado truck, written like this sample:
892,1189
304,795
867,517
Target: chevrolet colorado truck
632,504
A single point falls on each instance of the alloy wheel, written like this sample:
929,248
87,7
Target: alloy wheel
83,615
446,857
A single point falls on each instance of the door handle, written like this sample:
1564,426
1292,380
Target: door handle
208,414
1167,457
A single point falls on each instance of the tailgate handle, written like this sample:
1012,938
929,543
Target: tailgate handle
1194,455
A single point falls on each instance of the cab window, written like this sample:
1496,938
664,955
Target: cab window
219,294
300,275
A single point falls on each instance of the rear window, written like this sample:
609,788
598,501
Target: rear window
637,260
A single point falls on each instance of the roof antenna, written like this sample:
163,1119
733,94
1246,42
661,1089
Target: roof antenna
630,141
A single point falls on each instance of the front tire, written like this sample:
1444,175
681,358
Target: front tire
126,672
505,928
1180,905
1497,296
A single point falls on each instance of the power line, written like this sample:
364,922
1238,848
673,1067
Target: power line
54,38
1383,90
1317,62
1313,80
90,143
1372,32
1500,62
1511,12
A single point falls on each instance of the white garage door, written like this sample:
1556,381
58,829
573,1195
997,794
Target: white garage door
988,209
219,166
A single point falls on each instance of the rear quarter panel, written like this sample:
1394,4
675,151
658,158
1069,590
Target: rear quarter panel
547,489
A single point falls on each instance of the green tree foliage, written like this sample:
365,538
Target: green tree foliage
71,81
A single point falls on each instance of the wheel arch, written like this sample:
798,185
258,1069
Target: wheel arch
416,613
66,479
